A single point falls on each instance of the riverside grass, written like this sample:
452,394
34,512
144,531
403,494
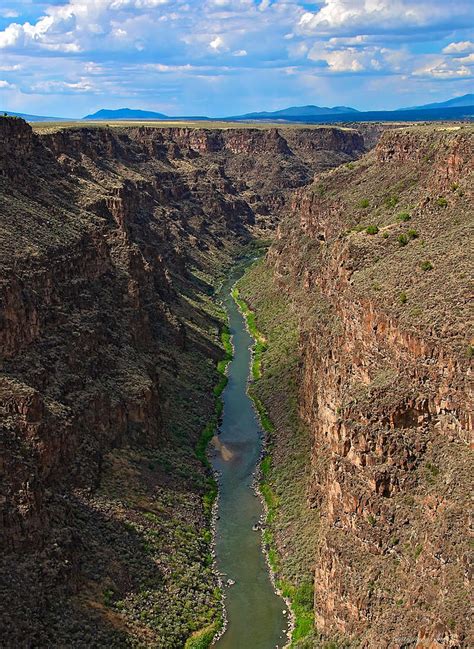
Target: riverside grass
204,638
299,595
260,345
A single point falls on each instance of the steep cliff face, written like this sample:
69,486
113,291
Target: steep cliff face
376,261
110,241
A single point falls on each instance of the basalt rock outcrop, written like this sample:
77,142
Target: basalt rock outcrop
376,261
109,239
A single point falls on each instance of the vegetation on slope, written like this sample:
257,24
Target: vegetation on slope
372,259
291,522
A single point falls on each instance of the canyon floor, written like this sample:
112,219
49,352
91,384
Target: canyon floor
113,242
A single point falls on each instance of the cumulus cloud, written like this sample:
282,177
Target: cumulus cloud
167,48
365,59
53,87
217,44
446,67
380,16
456,48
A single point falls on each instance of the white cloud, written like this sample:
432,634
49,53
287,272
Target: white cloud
364,59
351,40
5,84
81,86
149,48
9,13
218,44
10,68
445,67
381,16
461,46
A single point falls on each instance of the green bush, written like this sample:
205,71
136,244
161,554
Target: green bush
385,235
426,265
372,229
402,240
412,234
442,202
391,201
304,595
403,298
364,203
202,639
403,217
265,465
433,469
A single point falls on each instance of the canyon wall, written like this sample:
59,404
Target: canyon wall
375,260
111,240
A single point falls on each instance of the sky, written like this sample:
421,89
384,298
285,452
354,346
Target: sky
68,58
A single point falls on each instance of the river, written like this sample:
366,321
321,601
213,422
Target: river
254,611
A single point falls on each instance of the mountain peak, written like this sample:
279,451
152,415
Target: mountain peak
125,113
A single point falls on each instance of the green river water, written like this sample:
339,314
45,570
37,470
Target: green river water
254,611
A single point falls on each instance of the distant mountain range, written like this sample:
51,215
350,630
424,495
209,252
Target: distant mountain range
298,111
126,113
456,108
33,118
407,115
465,100
135,114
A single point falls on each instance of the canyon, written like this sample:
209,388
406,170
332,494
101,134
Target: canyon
113,242
374,264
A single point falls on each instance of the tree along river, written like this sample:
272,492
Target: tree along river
254,611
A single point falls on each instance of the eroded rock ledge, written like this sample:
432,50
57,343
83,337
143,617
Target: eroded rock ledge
375,261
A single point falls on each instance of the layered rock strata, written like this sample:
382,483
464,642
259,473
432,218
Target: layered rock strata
376,261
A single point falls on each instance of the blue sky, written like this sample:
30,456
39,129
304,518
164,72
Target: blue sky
225,57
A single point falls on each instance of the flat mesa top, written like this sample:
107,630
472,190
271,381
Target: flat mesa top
51,127
48,127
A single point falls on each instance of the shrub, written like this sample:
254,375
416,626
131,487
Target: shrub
391,201
442,202
403,297
320,190
385,235
433,469
412,234
304,595
372,229
426,265
403,217
265,465
202,639
350,165
108,596
402,240
364,203
454,187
